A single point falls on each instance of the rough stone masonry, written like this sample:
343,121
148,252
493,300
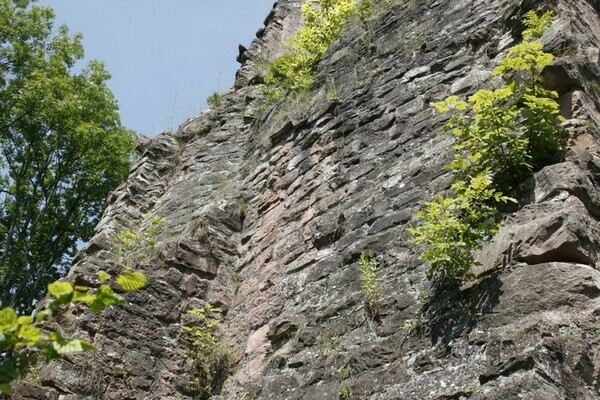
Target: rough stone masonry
268,208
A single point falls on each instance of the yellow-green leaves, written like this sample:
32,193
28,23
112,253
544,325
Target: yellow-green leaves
450,103
324,20
60,289
130,281
450,228
134,247
209,359
8,318
103,298
18,332
524,57
64,346
501,136
370,286
103,276
536,25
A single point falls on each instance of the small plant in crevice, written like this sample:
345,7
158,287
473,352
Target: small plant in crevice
344,392
331,92
243,210
135,248
328,343
343,373
215,100
502,136
416,323
469,390
369,283
412,325
593,330
207,356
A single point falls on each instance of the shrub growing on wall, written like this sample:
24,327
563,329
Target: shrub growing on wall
324,21
502,135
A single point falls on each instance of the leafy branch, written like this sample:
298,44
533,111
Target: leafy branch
502,136
21,332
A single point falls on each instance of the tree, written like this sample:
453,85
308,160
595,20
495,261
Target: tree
62,150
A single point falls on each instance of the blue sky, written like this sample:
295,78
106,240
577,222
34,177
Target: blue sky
165,56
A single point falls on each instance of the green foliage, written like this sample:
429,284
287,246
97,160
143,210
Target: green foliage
331,92
131,280
62,150
536,25
19,333
215,100
502,135
412,325
344,392
370,286
450,228
487,138
511,130
133,247
209,359
324,21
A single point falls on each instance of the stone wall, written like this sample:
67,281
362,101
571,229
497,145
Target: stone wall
268,208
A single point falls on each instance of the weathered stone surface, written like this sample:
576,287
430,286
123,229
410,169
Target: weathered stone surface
268,210
555,230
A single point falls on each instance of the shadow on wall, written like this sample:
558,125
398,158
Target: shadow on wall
453,313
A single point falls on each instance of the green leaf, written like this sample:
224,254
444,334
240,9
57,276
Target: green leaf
5,387
105,297
60,289
130,281
103,276
24,320
71,139
8,319
83,296
9,372
43,314
64,346
29,335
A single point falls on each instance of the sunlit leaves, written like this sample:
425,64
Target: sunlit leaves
536,25
208,357
60,289
8,318
19,332
450,227
103,276
130,281
324,20
64,346
369,284
501,136
524,57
